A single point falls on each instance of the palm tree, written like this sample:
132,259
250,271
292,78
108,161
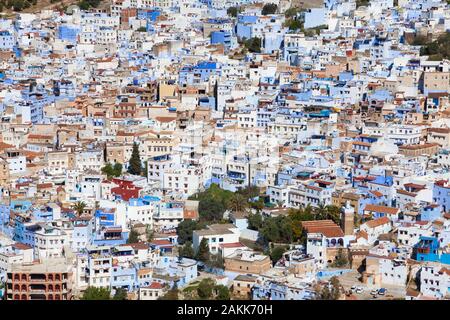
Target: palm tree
237,203
79,207
333,213
320,212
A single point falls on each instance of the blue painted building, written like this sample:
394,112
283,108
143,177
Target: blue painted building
441,194
175,269
82,234
430,212
427,249
5,212
110,236
149,15
315,17
221,37
271,290
199,73
7,40
122,277
244,26
105,217
68,32
47,213
20,223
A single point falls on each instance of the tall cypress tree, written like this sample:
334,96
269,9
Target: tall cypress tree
135,166
203,251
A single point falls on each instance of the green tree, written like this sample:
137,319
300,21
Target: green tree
292,12
94,293
257,205
277,229
172,294
120,294
187,250
186,228
212,203
141,29
331,291
269,8
79,207
117,169
83,5
237,203
133,237
149,233
360,3
215,261
438,49
341,259
249,192
145,171
294,24
255,221
333,213
211,209
203,251
276,253
205,288
222,292
87,4
135,166
320,212
108,170
18,5
253,44
233,11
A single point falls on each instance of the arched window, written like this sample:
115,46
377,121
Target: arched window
333,242
24,297
24,277
16,297
24,287
341,241
16,287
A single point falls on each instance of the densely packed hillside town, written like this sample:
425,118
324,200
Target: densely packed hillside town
225,150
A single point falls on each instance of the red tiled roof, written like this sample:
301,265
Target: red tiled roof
414,186
327,227
231,245
44,185
381,209
21,246
161,243
377,194
165,119
406,193
126,194
362,234
377,222
190,214
137,245
155,285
